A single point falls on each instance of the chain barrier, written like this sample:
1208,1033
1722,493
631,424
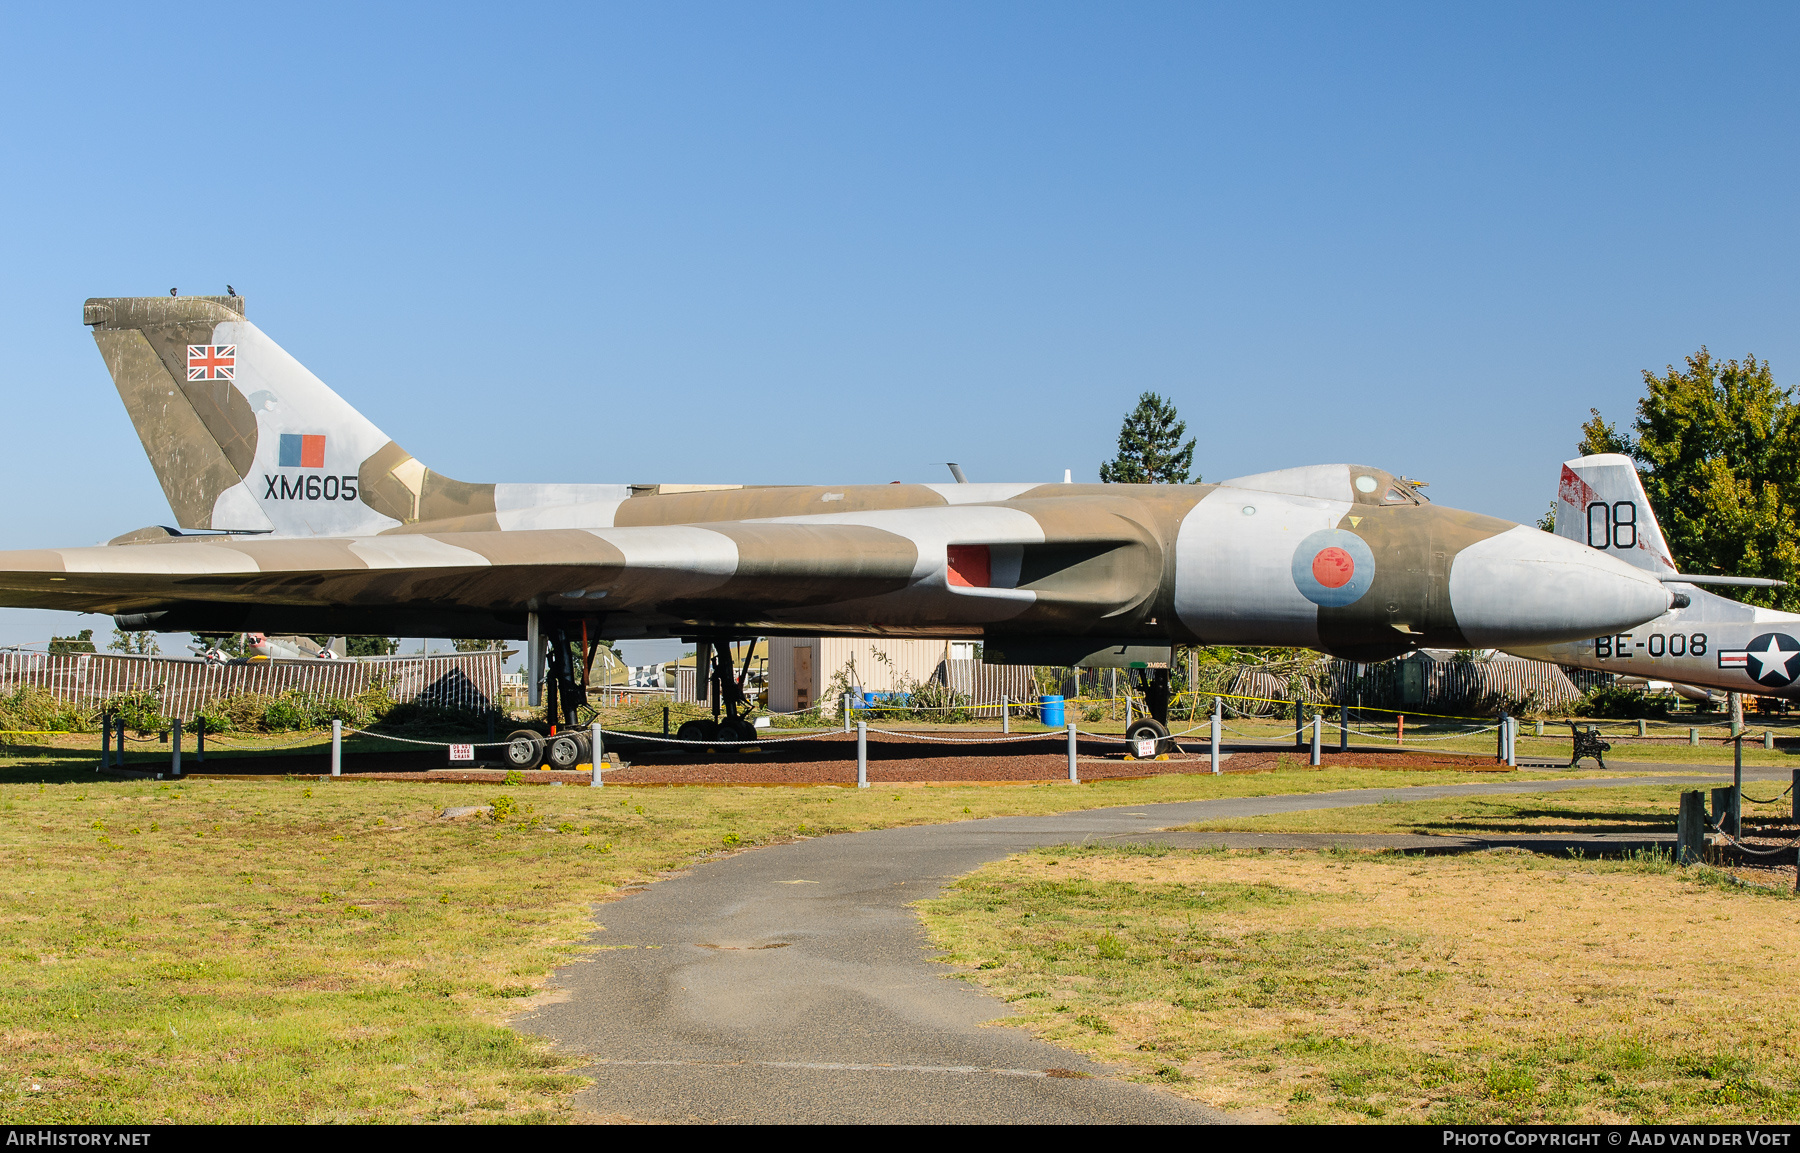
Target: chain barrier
1771,800
307,740
973,740
1743,848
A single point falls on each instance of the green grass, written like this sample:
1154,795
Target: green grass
292,950
1487,989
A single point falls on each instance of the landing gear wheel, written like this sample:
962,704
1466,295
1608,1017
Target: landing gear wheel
524,750
698,731
566,750
739,730
1148,729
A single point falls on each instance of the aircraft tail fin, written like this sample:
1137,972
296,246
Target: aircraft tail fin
1601,503
243,437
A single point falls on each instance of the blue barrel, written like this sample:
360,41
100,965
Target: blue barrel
1050,711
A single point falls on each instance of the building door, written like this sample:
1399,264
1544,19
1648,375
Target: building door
1412,682
803,677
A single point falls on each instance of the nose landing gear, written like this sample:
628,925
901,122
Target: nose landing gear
1155,727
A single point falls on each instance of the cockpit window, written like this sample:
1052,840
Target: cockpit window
1367,484
1395,496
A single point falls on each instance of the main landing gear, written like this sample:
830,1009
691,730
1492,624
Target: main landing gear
725,688
572,646
1155,727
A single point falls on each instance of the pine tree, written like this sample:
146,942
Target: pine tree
1150,448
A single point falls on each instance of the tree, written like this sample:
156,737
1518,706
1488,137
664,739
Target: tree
141,644
1718,444
1599,437
82,642
477,645
1150,448
371,646
231,644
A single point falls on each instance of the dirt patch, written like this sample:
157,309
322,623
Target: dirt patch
831,760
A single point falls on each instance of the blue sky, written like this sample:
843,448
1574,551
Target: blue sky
831,242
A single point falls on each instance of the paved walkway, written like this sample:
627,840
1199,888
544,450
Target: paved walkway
793,984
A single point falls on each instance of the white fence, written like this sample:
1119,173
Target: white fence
464,681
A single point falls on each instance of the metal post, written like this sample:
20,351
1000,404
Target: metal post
1500,738
1344,727
845,710
1690,828
1074,777
862,754
1128,700
1318,727
1737,791
1694,738
1538,731
1735,702
1768,738
337,748
1005,714
1213,743
175,747
598,744
1512,743
105,741
1643,727
1299,726
534,661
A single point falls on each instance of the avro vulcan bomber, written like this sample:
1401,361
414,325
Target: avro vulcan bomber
294,514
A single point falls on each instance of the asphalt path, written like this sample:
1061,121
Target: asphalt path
793,984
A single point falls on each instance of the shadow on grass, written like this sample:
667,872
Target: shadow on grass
1551,820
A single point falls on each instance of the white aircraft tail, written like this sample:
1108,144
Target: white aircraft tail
244,438
1601,503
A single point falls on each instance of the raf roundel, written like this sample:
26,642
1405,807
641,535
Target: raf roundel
1333,568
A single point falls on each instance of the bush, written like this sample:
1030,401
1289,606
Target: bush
30,709
284,714
1622,703
141,711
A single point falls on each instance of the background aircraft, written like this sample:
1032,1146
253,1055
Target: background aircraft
294,513
1704,641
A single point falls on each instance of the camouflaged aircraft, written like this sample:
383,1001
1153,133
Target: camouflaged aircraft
293,513
1705,641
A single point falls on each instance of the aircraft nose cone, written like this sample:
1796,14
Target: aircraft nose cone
1526,587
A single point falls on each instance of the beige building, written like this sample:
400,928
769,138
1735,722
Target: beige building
800,668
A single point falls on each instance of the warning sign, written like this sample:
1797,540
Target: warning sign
462,752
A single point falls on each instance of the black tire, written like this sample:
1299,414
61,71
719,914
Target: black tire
739,730
697,731
1148,729
524,750
566,750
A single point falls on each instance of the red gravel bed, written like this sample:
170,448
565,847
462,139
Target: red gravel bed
831,760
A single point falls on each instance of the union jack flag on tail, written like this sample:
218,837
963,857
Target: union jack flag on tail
211,361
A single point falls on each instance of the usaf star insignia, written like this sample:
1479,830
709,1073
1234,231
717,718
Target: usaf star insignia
1770,659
